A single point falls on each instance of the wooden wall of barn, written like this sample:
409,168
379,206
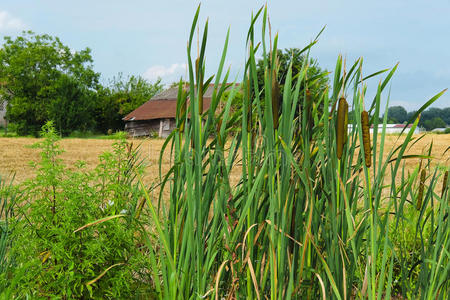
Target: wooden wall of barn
155,127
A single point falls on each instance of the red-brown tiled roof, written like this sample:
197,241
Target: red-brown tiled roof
402,126
164,105
159,109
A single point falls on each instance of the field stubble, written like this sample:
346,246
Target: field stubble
17,154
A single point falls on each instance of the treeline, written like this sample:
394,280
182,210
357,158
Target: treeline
42,79
429,119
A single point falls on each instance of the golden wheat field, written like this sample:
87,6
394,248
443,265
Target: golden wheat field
17,153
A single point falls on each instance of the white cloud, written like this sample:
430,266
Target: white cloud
165,73
9,22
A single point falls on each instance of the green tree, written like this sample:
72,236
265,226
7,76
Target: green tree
446,115
314,85
397,114
317,78
436,122
120,97
42,78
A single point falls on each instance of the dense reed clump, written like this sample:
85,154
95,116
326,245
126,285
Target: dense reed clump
306,218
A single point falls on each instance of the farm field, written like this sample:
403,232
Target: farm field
17,154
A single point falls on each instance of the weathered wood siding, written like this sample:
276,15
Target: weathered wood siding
159,127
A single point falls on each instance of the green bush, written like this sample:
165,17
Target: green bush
76,234
7,199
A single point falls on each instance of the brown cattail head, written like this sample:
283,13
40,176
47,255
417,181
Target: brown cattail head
340,130
219,125
346,123
444,184
366,137
276,99
423,174
196,67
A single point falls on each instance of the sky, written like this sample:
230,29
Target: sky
149,38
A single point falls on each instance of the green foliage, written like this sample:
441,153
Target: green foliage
397,114
120,97
433,115
436,122
80,228
295,59
42,79
7,199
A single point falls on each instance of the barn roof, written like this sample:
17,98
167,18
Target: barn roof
164,105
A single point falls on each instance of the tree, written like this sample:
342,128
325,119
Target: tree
446,115
120,97
436,122
42,79
318,78
397,114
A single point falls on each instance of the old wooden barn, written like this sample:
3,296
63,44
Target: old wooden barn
157,116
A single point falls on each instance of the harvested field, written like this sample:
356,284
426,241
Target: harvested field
16,153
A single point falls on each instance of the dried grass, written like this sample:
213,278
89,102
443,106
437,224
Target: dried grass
17,154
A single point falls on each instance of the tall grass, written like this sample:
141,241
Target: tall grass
300,223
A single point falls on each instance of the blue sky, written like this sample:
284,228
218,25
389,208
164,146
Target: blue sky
149,38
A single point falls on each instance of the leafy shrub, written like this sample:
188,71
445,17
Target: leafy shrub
7,198
81,229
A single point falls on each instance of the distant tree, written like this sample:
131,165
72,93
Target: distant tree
42,79
411,114
436,122
431,114
133,91
120,97
446,115
318,77
397,114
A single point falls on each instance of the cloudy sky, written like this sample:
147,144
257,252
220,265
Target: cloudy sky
149,37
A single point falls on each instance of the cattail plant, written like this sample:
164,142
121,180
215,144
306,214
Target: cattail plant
276,99
341,130
423,174
287,227
366,138
346,122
